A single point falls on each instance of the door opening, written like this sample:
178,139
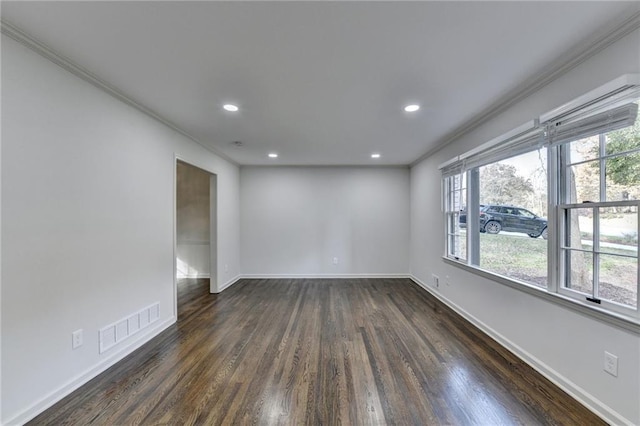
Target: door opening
196,233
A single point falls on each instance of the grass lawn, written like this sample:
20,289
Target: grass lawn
515,256
525,258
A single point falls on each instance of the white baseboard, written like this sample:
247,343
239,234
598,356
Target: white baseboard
229,283
576,392
588,400
81,379
305,276
321,276
179,276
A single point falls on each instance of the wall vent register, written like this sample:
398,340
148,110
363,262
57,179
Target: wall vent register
120,330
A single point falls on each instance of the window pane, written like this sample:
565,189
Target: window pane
619,230
623,140
462,244
579,225
454,222
456,240
623,177
513,193
580,271
619,279
454,202
458,181
453,244
461,200
584,149
584,182
458,245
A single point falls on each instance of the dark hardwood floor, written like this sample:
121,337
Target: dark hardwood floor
318,352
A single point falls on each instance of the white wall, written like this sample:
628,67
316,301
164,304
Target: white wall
87,225
566,345
295,220
87,238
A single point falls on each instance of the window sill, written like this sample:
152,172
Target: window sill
613,318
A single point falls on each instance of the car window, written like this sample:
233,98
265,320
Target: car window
493,209
527,214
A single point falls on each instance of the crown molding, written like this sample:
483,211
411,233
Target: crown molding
560,66
45,51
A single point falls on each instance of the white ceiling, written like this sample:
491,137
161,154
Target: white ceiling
321,83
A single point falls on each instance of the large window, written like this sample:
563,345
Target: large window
598,212
513,217
553,205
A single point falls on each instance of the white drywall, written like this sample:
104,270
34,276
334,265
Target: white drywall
567,345
87,225
295,220
193,260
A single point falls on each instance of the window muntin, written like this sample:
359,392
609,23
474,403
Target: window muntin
600,253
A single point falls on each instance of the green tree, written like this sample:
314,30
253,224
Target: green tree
501,184
624,170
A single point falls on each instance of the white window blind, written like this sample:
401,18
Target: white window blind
562,131
517,145
518,141
607,108
452,167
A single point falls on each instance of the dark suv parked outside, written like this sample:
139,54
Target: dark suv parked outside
495,218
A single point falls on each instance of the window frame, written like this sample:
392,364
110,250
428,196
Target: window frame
450,214
611,95
473,217
565,204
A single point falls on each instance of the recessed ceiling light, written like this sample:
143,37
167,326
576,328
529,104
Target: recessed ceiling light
273,155
375,155
412,108
230,107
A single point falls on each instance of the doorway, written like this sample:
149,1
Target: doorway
196,233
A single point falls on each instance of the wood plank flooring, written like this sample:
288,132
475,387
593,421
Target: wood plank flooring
318,352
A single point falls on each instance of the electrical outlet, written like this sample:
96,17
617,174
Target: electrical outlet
226,267
335,260
611,364
446,280
436,280
76,339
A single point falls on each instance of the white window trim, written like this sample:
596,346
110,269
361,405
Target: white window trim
614,318
627,318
